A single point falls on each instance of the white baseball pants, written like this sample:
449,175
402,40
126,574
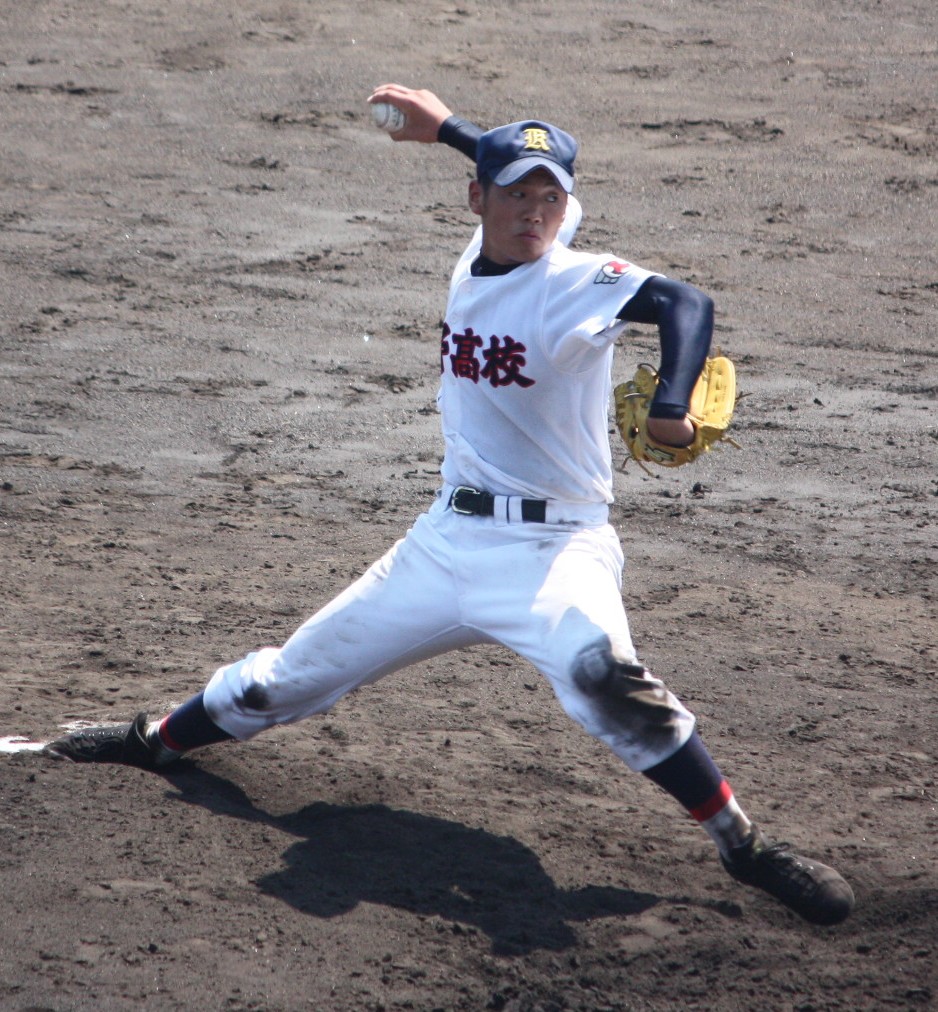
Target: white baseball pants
549,592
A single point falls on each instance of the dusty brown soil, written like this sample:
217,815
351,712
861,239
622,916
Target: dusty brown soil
221,289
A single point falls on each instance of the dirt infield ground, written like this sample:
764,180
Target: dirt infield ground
221,292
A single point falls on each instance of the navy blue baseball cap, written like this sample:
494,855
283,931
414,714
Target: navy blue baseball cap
508,153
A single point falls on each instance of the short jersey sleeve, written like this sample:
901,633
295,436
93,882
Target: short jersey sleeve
585,294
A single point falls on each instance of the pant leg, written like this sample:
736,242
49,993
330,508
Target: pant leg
562,610
403,609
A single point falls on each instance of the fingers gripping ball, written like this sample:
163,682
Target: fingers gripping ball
388,117
711,411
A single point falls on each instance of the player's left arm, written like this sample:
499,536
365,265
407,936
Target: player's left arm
684,317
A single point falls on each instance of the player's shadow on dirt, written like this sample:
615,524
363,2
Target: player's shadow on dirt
470,878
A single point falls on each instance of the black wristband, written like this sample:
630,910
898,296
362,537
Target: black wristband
460,134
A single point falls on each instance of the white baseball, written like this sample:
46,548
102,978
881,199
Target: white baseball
388,117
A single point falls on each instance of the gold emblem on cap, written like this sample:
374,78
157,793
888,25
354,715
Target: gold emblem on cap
535,139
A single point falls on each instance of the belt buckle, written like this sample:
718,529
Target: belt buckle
454,500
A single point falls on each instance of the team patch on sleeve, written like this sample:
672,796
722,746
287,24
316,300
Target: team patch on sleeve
611,271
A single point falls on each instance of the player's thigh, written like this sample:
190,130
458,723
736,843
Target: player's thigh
579,639
575,602
403,609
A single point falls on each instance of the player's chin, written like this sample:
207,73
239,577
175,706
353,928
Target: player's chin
530,248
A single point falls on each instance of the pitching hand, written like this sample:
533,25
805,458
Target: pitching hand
424,111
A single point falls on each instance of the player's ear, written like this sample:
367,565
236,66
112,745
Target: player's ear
476,196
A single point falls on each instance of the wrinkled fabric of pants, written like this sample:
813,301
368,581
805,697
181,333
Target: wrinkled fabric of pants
549,592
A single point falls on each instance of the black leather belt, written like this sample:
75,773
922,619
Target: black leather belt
472,502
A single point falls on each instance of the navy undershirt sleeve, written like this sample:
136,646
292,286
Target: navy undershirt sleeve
460,134
684,317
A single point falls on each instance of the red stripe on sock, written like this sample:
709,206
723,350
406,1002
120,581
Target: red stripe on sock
710,808
167,739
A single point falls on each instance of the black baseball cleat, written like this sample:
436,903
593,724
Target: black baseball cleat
117,743
813,890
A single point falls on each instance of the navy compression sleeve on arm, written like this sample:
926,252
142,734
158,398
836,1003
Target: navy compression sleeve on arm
684,316
460,134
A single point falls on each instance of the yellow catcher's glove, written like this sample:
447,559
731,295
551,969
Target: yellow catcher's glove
711,409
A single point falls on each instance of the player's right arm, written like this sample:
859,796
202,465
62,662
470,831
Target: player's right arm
429,119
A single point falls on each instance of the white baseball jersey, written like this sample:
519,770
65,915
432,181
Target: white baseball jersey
526,372
526,361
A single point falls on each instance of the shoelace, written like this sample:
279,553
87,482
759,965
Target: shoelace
780,858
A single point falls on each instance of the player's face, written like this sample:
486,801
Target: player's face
520,221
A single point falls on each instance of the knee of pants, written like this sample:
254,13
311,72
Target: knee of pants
256,693
621,703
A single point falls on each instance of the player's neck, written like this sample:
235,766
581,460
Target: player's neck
482,267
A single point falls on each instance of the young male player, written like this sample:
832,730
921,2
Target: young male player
516,549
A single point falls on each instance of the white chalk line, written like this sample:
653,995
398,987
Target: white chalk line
17,743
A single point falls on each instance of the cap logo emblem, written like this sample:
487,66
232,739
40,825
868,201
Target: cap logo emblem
535,139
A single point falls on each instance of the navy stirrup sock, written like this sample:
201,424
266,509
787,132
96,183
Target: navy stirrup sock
690,775
189,726
692,778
